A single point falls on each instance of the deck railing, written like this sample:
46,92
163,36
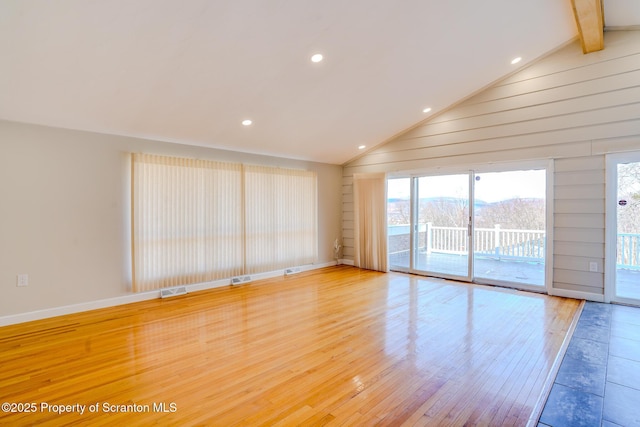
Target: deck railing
498,243
523,245
628,251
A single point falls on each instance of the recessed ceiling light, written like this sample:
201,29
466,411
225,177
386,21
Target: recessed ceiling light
361,147
317,57
516,60
247,122
426,110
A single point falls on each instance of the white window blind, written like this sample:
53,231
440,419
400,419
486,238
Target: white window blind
186,220
281,223
195,220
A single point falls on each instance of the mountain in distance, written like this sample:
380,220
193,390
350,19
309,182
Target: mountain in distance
424,200
457,200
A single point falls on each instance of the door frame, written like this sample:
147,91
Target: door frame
472,169
547,165
611,224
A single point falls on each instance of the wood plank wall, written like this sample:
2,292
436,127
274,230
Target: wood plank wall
569,107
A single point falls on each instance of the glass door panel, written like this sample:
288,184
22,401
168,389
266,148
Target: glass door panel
441,237
509,227
399,223
627,273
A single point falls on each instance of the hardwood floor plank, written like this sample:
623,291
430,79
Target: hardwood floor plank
336,346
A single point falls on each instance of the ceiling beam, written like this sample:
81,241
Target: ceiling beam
590,19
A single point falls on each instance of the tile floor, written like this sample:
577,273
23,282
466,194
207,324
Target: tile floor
598,383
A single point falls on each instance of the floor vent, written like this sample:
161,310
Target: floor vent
292,270
239,280
172,292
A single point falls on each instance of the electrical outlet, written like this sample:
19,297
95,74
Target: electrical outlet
593,266
22,280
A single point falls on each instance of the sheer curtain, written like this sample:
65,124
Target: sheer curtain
186,221
370,215
280,218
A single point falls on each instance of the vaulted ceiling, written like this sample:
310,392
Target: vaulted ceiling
190,71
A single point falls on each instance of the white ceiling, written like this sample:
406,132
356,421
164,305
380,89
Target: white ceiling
621,14
190,71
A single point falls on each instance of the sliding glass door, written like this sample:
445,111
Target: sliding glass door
623,228
442,238
487,227
510,227
399,223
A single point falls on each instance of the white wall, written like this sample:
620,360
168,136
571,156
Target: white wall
64,212
568,106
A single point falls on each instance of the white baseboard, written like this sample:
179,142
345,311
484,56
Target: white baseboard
347,262
133,297
76,308
576,294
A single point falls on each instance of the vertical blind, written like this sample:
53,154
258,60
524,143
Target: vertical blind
186,220
280,221
197,220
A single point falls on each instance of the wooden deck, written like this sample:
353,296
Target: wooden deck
337,346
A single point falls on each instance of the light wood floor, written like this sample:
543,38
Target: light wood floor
337,346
